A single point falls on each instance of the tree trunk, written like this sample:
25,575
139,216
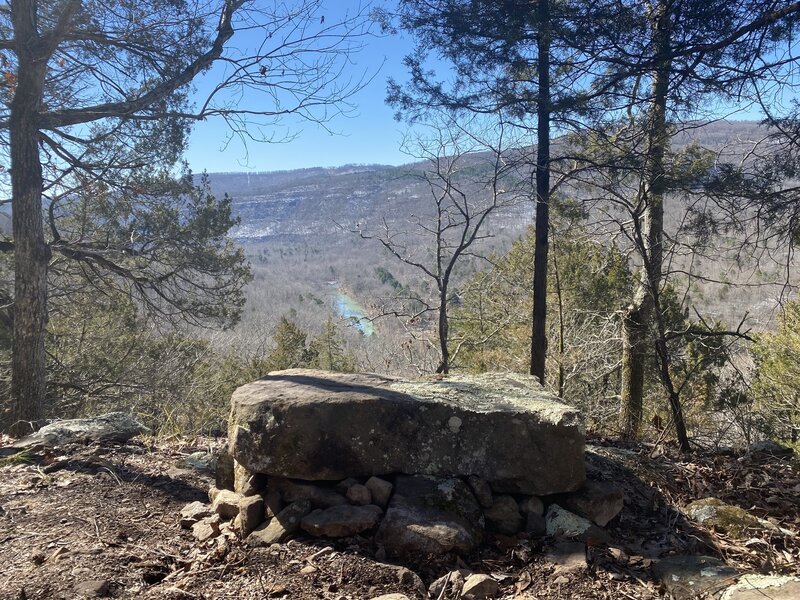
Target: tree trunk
31,252
444,364
539,332
634,354
637,325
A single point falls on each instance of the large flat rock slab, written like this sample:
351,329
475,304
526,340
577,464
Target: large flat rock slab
315,425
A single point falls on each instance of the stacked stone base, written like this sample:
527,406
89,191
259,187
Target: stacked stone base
405,515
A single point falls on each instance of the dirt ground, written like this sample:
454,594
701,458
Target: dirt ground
85,520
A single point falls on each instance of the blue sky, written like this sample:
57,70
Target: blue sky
369,135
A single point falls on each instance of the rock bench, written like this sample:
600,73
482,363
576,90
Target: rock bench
423,466
320,426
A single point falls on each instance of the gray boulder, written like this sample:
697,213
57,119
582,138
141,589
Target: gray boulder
770,448
691,577
315,425
115,427
428,515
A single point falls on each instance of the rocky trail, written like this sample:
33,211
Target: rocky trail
102,520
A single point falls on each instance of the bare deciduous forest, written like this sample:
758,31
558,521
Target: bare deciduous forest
603,196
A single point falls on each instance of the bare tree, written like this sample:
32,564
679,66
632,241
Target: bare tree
469,179
96,93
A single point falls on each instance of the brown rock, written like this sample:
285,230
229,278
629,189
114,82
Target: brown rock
282,526
504,515
206,528
226,504
223,475
255,485
597,501
293,491
454,580
381,491
341,521
478,587
251,513
359,494
193,512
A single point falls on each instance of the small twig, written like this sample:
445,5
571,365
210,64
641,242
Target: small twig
444,587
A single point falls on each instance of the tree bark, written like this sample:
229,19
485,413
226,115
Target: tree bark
31,251
539,331
637,322
444,364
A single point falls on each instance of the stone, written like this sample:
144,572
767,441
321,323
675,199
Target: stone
193,512
725,518
535,525
359,494
597,501
428,515
226,504
213,492
568,557
345,484
381,491
272,503
241,477
770,448
223,473
255,485
763,587
531,504
477,587
407,578
392,597
315,425
341,521
504,515
251,513
284,524
111,428
200,461
308,570
93,588
482,490
689,577
560,522
293,491
207,528
453,580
